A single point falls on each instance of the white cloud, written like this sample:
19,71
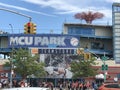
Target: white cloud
72,7
67,6
59,5
111,1
24,9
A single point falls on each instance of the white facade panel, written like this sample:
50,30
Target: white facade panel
117,22
117,58
117,46
4,43
117,51
117,39
103,32
117,34
117,30
117,26
118,55
117,14
117,43
117,18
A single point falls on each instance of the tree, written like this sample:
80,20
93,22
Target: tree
25,64
88,16
83,68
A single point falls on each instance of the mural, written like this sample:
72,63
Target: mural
58,65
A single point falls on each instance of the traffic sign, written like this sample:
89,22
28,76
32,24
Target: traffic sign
104,58
104,67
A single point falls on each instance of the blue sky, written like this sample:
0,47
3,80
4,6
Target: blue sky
50,14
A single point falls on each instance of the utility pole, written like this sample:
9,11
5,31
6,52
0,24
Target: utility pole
8,10
11,61
104,66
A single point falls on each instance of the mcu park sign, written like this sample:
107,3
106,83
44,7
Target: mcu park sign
45,41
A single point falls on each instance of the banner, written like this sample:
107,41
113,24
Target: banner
43,41
56,51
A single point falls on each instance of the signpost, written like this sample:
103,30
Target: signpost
104,66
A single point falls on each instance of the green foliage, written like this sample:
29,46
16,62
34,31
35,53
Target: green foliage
83,68
26,64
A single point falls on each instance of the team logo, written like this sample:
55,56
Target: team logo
74,41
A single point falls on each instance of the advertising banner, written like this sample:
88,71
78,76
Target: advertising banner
43,41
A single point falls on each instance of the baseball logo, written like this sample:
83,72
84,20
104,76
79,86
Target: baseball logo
74,41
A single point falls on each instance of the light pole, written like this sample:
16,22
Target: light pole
93,53
104,65
15,12
11,71
11,27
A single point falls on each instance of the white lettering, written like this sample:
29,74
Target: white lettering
21,40
25,40
45,41
52,40
28,40
38,40
60,41
13,40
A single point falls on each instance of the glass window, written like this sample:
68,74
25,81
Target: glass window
118,76
97,45
116,8
81,31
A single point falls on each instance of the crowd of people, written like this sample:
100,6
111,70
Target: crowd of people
77,85
15,83
59,85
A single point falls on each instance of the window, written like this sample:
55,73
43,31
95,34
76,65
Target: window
97,45
81,31
118,76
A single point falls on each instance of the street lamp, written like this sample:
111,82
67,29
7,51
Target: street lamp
11,27
11,71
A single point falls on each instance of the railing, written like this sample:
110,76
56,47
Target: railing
98,51
5,49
